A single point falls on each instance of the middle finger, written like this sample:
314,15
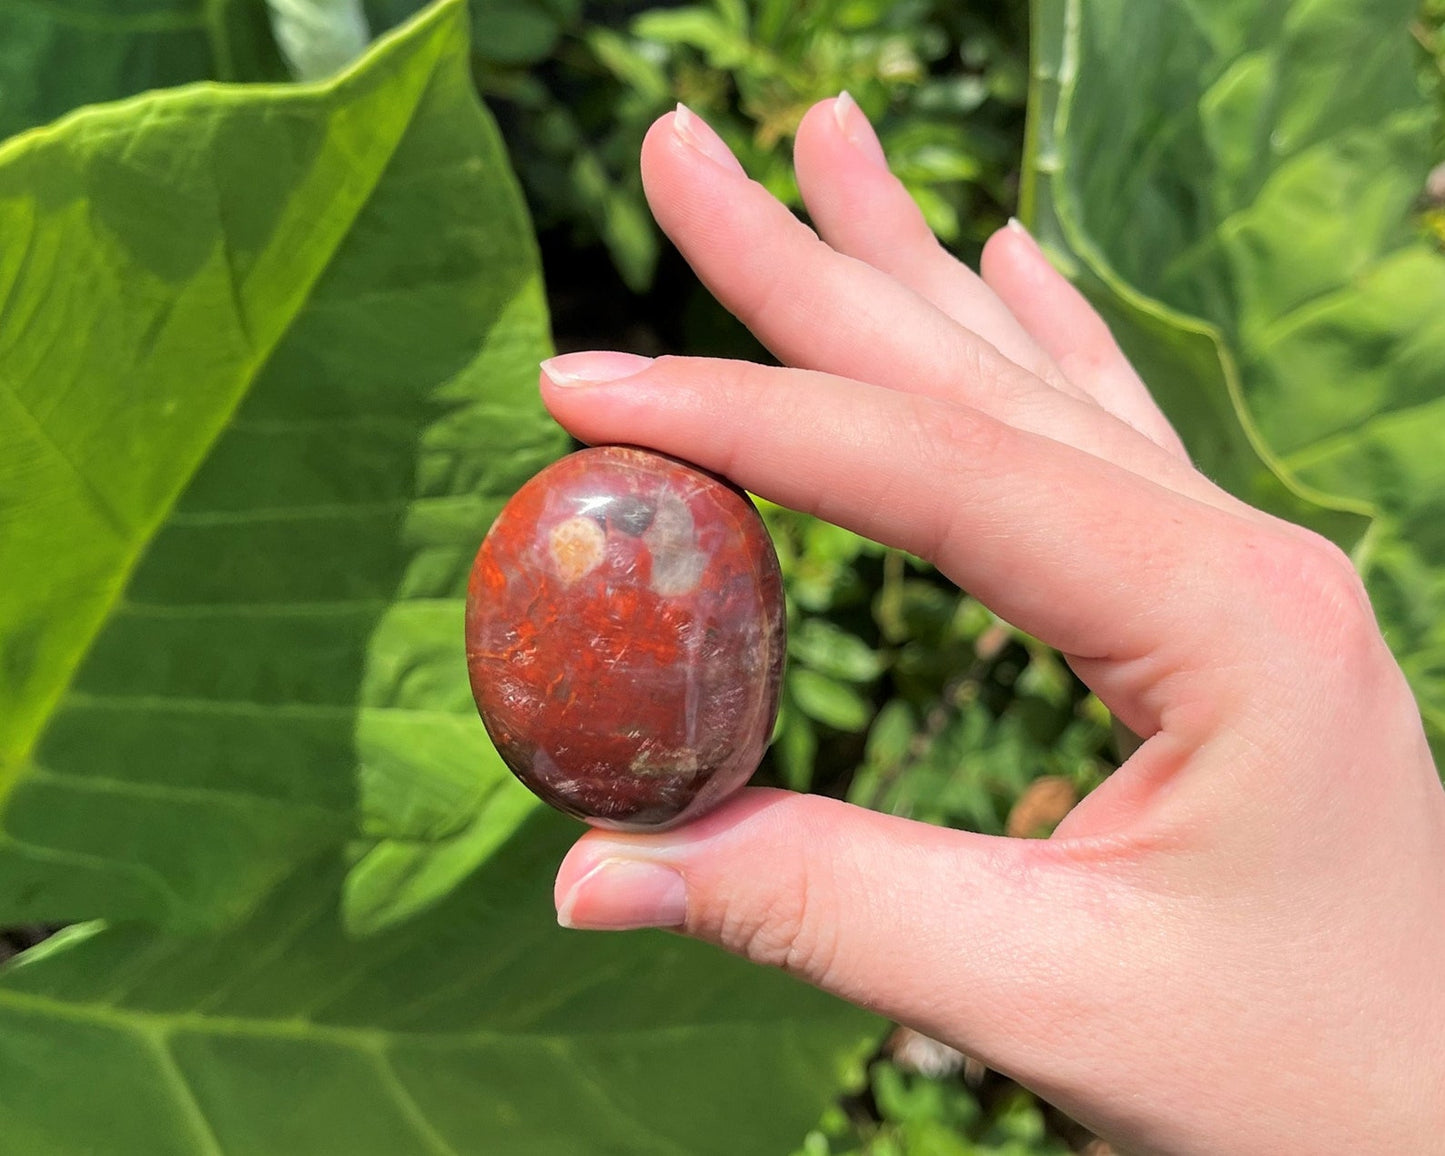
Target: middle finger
818,309
814,307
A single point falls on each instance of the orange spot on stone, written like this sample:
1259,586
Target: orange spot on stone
577,546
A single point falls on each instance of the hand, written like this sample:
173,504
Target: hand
1237,943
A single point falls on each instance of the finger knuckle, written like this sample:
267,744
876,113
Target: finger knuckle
776,285
954,447
1327,577
743,387
1317,586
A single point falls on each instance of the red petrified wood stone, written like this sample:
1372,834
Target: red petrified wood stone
625,637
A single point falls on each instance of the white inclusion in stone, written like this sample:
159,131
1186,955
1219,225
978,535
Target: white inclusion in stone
677,563
649,763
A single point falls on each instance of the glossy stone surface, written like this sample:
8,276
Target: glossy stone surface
625,637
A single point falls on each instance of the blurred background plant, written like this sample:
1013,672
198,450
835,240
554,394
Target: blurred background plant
1430,33
905,1112
577,85
904,695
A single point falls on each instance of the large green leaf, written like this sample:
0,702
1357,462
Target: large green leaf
57,55
269,370
1233,186
478,1028
268,360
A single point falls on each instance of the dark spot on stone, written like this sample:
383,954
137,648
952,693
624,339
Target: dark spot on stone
630,514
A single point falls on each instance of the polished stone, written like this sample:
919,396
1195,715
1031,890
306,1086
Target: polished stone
625,637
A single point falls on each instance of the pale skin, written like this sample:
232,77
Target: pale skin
1237,943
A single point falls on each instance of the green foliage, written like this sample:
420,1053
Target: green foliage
269,372
1429,33
577,85
904,695
239,512
922,1115
945,86
56,55
1238,196
478,1027
505,33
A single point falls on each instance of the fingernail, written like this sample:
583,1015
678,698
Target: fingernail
593,366
1017,226
697,134
623,894
857,130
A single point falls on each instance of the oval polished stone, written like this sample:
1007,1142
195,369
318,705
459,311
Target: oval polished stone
625,637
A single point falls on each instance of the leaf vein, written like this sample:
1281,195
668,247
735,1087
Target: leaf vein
410,1110
170,792
349,1036
113,517
182,704
189,1105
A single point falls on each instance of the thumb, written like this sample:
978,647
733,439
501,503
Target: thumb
963,936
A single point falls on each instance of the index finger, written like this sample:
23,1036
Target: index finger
1147,584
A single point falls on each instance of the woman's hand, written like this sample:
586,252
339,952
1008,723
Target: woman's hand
1237,943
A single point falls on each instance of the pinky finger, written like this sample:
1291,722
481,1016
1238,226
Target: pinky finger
1065,325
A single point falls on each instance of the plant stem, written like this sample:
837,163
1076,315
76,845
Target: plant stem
215,17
